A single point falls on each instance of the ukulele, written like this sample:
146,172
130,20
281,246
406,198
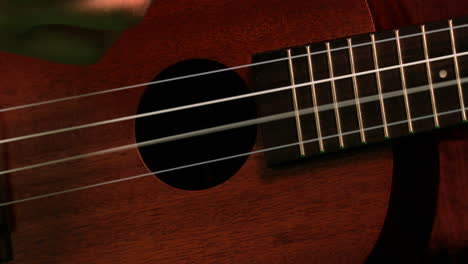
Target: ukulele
322,131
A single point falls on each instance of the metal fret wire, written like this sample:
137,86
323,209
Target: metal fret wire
211,161
429,77
279,89
314,100
379,86
457,70
230,126
335,101
403,82
295,103
356,90
7,109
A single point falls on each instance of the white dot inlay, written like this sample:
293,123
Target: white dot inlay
443,74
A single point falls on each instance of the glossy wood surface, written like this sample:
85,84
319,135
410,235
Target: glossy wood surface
329,210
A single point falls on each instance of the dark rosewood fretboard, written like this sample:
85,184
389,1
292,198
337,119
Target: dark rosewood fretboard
363,89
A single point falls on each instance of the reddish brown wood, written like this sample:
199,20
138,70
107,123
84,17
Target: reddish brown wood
399,13
329,211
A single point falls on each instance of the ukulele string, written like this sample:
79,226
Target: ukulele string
233,68
255,121
219,159
13,108
226,99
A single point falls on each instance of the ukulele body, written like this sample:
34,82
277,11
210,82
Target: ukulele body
329,210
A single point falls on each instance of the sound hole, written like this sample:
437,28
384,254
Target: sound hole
197,149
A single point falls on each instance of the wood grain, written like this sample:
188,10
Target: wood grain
331,209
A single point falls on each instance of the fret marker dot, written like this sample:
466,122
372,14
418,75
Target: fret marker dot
443,74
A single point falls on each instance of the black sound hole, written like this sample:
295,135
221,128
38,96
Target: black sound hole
198,149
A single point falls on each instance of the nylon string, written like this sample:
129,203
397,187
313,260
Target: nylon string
224,127
7,109
226,99
214,160
255,121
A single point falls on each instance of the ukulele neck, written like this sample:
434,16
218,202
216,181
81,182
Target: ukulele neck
363,89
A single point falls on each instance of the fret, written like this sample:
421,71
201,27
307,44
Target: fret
348,114
390,80
294,99
323,95
461,46
379,86
429,77
356,91
364,89
304,101
447,98
335,102
403,82
371,110
412,49
457,70
314,100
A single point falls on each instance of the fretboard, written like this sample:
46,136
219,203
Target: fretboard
363,89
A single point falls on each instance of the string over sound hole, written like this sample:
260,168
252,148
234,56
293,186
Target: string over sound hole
199,149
